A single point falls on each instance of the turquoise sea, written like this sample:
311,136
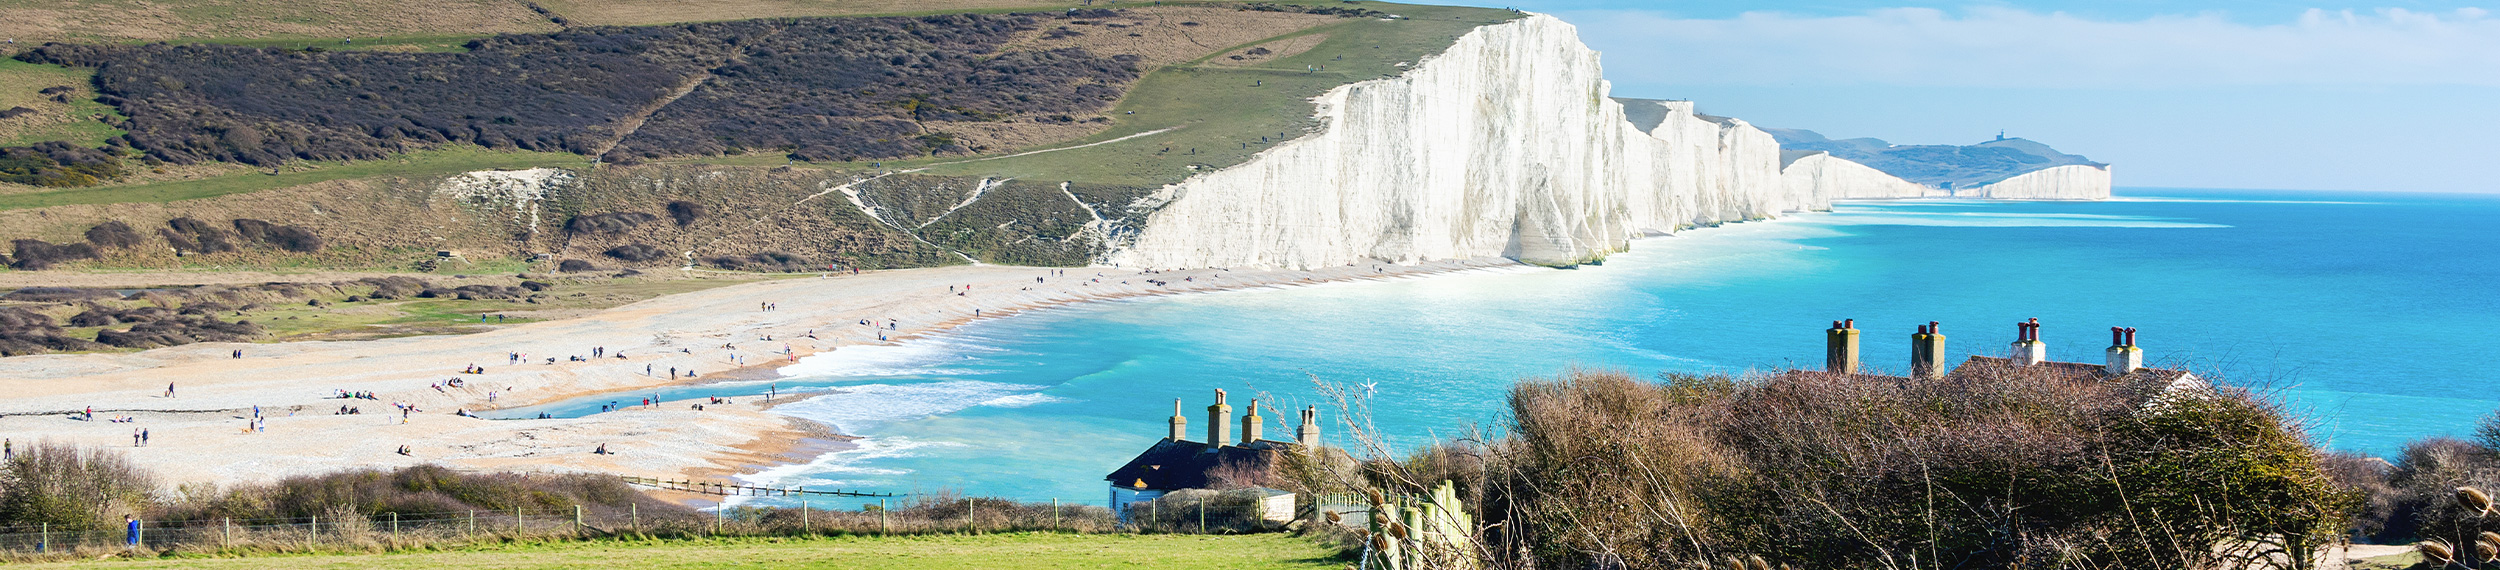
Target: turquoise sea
2369,314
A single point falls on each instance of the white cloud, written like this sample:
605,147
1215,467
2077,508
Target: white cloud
2004,47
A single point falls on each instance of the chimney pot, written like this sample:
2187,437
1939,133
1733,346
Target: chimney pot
2124,357
1180,424
1219,420
1251,424
1926,350
1840,348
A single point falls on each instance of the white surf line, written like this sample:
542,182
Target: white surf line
1034,152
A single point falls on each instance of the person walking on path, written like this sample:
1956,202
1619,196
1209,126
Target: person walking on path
131,539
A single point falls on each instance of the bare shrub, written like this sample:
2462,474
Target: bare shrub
1990,467
575,266
59,294
419,489
195,236
179,330
114,234
71,487
288,238
636,252
27,332
36,255
764,261
608,223
684,212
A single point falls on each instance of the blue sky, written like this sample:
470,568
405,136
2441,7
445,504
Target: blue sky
2394,95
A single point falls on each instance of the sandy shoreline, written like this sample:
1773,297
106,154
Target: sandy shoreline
720,334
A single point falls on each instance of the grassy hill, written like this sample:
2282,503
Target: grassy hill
1038,551
1220,82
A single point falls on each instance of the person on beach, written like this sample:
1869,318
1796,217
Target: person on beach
143,437
134,438
169,389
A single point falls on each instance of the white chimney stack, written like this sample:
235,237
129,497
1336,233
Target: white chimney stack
1180,425
1308,433
2124,357
2028,350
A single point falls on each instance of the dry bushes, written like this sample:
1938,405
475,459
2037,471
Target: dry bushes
575,266
1991,468
419,489
35,254
195,236
608,223
290,238
636,252
114,234
24,332
773,261
179,330
814,87
70,488
684,212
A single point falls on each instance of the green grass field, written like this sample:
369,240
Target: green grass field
433,162
1041,551
1223,111
19,82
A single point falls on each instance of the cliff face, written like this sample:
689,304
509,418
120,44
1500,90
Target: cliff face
2070,182
1504,145
1820,173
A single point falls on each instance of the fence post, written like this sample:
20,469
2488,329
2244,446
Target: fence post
718,511
1202,516
225,532
44,543
806,523
1154,511
1054,513
315,530
577,520
472,522
517,528
634,510
394,528
882,528
138,534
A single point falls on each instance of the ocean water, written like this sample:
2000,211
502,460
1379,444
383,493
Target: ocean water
2368,314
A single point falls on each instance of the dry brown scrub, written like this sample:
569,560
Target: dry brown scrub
2004,468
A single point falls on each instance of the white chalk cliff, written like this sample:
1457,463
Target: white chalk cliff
1504,145
1820,173
2070,182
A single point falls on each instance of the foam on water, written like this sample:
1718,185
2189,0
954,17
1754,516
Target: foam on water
862,408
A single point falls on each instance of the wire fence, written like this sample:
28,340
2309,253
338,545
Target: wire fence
347,530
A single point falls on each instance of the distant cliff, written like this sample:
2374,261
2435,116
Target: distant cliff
2012,168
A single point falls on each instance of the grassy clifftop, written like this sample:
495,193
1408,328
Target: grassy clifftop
1218,83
